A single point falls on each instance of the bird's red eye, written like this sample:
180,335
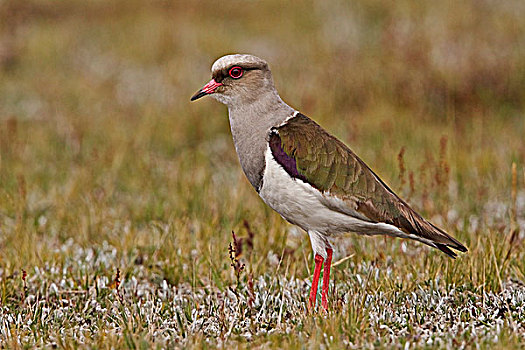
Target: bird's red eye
235,72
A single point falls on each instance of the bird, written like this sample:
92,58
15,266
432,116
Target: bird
308,176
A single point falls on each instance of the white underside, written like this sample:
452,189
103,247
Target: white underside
303,205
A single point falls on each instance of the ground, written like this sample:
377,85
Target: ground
118,197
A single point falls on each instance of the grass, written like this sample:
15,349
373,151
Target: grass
118,197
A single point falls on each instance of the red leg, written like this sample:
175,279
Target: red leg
326,278
317,272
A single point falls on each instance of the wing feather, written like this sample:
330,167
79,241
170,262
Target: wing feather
310,154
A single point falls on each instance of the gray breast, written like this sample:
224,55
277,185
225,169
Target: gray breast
250,150
250,127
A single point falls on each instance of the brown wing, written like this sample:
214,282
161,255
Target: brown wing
309,153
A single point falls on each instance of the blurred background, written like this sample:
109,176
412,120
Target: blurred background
110,177
99,142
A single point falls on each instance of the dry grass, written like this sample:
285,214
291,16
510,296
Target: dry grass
105,166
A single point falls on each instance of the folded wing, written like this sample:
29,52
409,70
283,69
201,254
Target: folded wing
308,153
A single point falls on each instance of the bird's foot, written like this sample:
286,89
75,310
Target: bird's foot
315,281
326,279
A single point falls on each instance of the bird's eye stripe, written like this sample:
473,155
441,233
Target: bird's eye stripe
235,72
219,76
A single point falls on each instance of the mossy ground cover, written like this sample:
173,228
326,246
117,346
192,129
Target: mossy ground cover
118,197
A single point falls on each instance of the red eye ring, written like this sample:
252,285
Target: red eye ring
235,72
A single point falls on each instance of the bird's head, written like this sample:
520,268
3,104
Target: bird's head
238,79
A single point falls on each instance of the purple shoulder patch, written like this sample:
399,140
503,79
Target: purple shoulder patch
288,163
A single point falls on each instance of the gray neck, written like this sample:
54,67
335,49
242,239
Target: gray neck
250,124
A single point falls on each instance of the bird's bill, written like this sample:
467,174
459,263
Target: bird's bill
206,90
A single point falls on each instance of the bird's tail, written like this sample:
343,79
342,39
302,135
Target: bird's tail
429,233
451,242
